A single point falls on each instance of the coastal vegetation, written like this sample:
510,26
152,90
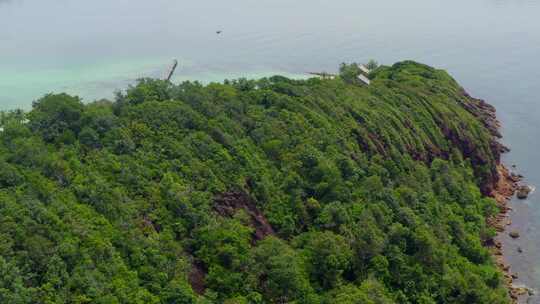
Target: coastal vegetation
252,191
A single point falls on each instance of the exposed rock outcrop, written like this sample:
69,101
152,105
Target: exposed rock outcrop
226,204
485,112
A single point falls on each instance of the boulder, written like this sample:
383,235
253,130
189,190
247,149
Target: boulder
523,191
522,290
514,234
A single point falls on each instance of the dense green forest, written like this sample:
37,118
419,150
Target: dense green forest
252,191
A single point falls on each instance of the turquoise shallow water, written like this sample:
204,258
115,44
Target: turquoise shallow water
92,48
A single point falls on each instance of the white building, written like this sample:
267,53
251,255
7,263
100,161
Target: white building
364,69
364,79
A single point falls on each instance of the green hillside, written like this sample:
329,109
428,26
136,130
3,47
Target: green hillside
252,191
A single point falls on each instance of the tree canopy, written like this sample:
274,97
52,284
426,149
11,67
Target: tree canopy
251,191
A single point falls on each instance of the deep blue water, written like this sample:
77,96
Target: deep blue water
92,48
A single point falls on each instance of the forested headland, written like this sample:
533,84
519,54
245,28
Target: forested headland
253,191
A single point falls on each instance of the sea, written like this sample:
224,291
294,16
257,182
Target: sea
94,48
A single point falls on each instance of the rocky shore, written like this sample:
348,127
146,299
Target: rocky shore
504,190
506,185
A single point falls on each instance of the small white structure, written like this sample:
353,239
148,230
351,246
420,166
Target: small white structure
364,79
364,69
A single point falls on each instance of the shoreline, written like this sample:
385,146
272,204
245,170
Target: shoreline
503,189
503,192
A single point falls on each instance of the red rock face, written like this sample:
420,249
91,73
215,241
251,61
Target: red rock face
226,204
487,114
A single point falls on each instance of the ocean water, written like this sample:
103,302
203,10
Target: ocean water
92,48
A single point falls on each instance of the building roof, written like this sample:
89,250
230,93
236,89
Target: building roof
364,69
364,79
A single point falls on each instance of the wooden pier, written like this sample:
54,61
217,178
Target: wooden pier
323,75
171,70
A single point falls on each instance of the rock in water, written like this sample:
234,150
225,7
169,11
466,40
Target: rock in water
514,234
519,250
522,290
523,191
